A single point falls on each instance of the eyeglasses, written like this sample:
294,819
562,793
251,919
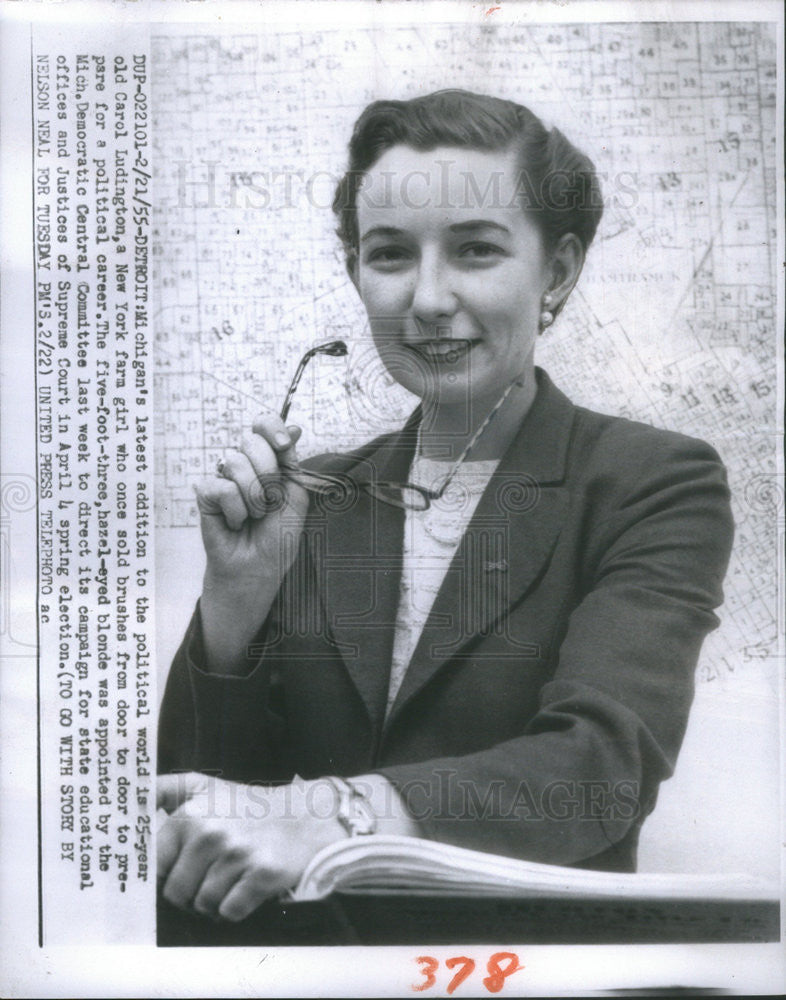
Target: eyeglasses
336,349
339,492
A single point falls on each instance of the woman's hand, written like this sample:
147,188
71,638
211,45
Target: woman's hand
252,519
225,848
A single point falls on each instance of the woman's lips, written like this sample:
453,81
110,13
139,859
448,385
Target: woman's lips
443,351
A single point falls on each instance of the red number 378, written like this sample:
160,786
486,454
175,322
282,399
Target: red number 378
494,981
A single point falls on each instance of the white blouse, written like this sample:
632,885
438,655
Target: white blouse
431,538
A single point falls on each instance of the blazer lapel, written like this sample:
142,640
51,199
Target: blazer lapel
355,551
512,533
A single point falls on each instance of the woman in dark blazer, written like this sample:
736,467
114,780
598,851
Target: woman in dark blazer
482,629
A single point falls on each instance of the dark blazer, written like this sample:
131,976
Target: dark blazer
549,692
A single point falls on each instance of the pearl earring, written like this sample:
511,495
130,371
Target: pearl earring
546,317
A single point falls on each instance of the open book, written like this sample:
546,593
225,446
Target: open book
380,864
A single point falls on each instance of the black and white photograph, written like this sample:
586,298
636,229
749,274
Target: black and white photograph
393,498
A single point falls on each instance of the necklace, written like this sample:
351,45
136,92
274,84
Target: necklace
446,519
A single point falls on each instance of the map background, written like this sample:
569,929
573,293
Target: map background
673,321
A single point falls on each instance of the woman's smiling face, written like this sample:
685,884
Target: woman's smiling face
451,270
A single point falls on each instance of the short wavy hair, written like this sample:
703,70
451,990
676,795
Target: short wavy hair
562,189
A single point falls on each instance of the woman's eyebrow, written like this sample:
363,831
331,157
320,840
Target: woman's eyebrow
474,224
470,226
382,231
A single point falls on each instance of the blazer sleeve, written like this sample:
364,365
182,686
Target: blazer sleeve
585,771
213,723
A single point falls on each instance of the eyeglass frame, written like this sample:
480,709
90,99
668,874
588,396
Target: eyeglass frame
322,483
